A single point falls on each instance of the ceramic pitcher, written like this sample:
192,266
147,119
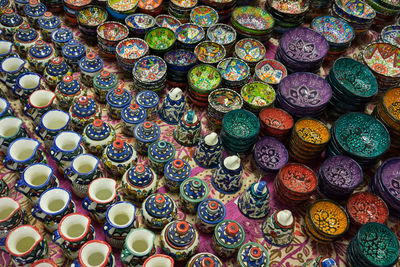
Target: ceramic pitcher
52,123
26,84
95,253
44,263
23,152
159,260
139,245
39,102
5,108
10,69
6,48
36,179
11,215
173,107
11,129
73,231
66,146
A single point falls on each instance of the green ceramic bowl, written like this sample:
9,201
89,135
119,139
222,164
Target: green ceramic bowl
258,95
160,39
204,78
241,124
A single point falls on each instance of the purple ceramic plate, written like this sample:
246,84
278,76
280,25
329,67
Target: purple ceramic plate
270,154
390,176
304,89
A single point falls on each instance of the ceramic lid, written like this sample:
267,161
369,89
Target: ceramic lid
119,151
49,21
161,151
69,86
159,205
98,130
194,190
134,114
35,9
73,49
211,211
91,63
180,234
41,50
10,18
177,170
105,80
119,97
57,66
229,234
140,176
253,254
147,99
84,107
26,34
205,260
147,132
62,35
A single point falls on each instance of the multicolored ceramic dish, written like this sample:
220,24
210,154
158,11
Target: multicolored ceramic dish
204,78
382,58
92,16
222,34
185,3
160,38
209,52
140,22
112,31
167,22
123,5
292,7
250,50
391,34
189,33
150,5
335,30
224,100
365,207
391,103
312,131
180,60
254,19
149,69
258,95
233,69
204,16
356,9
132,48
270,71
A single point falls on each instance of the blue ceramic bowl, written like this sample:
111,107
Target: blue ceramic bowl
139,24
337,32
355,11
391,34
180,60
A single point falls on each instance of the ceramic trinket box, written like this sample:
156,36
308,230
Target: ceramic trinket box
254,202
83,111
192,192
40,55
90,65
188,130
34,10
148,100
158,210
160,152
210,212
252,254
173,107
97,136
61,37
24,38
227,178
145,134
175,172
204,259
116,100
208,152
104,82
67,91
9,23
278,229
55,71
132,116
48,23
139,182
118,157
72,52
228,238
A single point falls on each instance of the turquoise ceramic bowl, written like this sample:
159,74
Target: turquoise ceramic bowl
241,124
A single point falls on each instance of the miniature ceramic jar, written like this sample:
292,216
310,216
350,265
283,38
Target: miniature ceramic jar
228,238
254,202
160,152
192,192
55,71
210,212
227,178
132,115
321,261
145,134
148,100
139,245
72,52
158,210
14,216
179,240
95,250
173,107
40,55
23,152
24,38
278,229
97,136
34,11
90,66
116,100
83,111
139,182
9,23
48,23
118,157
252,254
208,152
175,172
204,260
189,130
61,37
67,91
104,82
11,129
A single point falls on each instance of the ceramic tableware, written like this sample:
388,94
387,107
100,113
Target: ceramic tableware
11,129
162,259
24,38
278,228
145,133
83,111
160,152
251,254
9,23
90,65
10,69
12,215
144,79
109,34
22,152
254,202
6,49
132,115
227,178
148,100
48,23
97,136
72,52
139,246
322,261
89,18
39,103
95,253
192,192
189,130
158,210
176,171
204,259
52,123
26,84
210,212
208,152
67,90
118,157
40,55
55,71
117,99
138,182
33,11
228,237
128,51
270,155
104,82
60,38
5,108
172,107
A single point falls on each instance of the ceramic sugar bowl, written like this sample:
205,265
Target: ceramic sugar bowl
160,152
228,238
158,210
139,182
48,23
132,115
25,38
97,136
72,52
210,212
90,66
278,228
208,152
55,71
83,111
104,82
61,37
179,240
67,91
118,157
204,260
9,23
145,134
40,55
117,100
34,11
148,100
175,172
192,192
252,254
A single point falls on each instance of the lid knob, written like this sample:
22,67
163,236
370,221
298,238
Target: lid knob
119,91
207,262
134,106
255,253
105,74
67,79
83,100
178,163
91,56
8,11
212,207
24,26
118,144
47,14
159,201
140,168
232,229
56,61
260,187
147,125
97,123
182,227
33,3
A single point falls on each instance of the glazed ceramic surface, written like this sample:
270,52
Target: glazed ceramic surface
250,50
139,182
209,52
149,69
221,34
334,30
253,18
158,210
383,59
204,16
189,33
167,22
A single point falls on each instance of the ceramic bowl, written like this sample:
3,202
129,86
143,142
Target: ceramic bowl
235,72
204,78
390,101
189,35
184,4
296,181
89,18
129,51
121,9
241,124
391,35
275,122
152,7
270,71
109,34
251,19
204,16
250,50
336,31
209,52
160,39
258,95
169,22
180,60
270,155
312,132
222,34
289,8
223,100
355,10
376,56
365,207
149,69
139,24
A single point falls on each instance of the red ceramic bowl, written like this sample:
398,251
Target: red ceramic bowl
275,121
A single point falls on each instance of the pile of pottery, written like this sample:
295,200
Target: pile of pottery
386,12
202,79
138,24
224,8
181,9
109,34
153,80
220,102
235,73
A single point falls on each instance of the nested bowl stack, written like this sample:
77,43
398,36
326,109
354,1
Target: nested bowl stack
71,8
391,35
220,102
209,52
179,62
119,10
189,35
269,155
160,40
202,79
152,7
386,12
223,8
235,73
139,24
109,34
181,9
250,51
270,71
129,51
257,95
204,16
150,73
275,122
89,18
223,34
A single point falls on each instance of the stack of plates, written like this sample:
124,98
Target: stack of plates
150,73
239,132
223,34
309,138
360,136
252,22
374,245
235,73
224,8
326,221
270,155
257,95
353,86
270,71
319,8
303,94
202,79
179,62
295,183
302,49
220,102
391,35
386,12
181,9
275,122
189,35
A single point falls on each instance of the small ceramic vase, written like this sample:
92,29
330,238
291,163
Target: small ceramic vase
252,254
158,210
39,103
160,152
25,244
9,23
12,215
208,153
11,129
97,136
188,131
5,108
102,193
148,100
52,123
61,37
204,260
83,111
179,240
23,152
89,66
192,192
26,84
173,107
227,178
278,229
84,169
66,146
55,71
48,23
95,253
145,134
321,261
120,220
104,82
132,115
175,172
67,90
139,245
34,11
40,55
7,50
72,52
210,212
10,69
24,38
118,157
228,238
159,260
52,206
44,263
36,179
117,100
73,231
254,202
139,182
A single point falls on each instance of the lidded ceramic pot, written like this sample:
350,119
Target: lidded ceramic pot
103,82
90,66
117,99
9,23
34,11
61,37
24,38
40,55
254,202
67,91
55,71
158,210
148,100
227,239
208,152
192,192
48,23
160,152
210,212
175,172
321,261
139,182
145,134
72,52
227,178
118,157
252,254
97,136
132,115
278,228
189,130
83,111
204,260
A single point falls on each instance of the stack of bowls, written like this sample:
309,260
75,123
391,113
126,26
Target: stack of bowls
295,183
374,245
357,13
179,62
275,122
202,79
309,138
235,73
209,52
250,51
150,73
181,9
71,8
303,94
319,8
360,136
337,32
384,184
189,35
223,34
287,14
353,86
257,95
119,10
386,12
160,40
129,51
270,155
89,18
224,8
391,35
270,71
326,221
109,34
338,176
239,132
152,7
381,59
302,49
139,24
220,102
204,16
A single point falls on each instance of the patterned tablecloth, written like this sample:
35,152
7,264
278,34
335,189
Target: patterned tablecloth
303,248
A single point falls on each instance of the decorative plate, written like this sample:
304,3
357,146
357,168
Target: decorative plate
123,5
298,178
258,94
270,153
149,69
225,100
291,7
140,21
270,71
356,8
168,22
391,34
241,124
204,78
335,30
364,207
185,3
204,16
390,175
276,118
383,59
391,102
253,18
312,131
209,52
233,69
160,38
149,5
132,48
250,50
113,31
189,33
221,34
92,15
342,171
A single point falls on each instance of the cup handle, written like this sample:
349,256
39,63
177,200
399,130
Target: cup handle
68,173
126,256
21,186
56,238
16,90
8,163
88,204
41,131
37,213
55,153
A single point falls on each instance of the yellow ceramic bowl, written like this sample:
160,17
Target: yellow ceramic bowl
312,132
